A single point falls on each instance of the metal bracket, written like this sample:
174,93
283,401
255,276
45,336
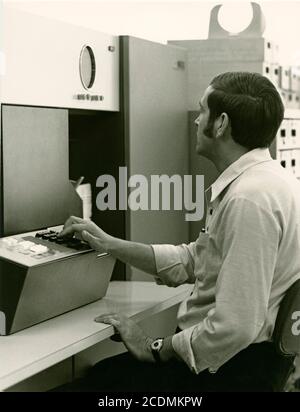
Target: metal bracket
255,29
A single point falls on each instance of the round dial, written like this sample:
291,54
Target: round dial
87,67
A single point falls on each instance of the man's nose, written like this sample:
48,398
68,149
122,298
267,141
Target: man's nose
197,121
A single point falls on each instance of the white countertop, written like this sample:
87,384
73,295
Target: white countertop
32,350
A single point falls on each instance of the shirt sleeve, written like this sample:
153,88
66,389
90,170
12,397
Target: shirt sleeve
174,264
251,237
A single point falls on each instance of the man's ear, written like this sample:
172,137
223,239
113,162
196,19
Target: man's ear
222,124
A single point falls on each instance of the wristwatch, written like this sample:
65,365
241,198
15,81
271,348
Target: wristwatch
156,347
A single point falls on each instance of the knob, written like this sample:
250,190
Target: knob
179,64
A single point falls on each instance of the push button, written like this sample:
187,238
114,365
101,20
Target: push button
25,246
39,249
40,234
60,240
77,244
10,242
74,243
46,236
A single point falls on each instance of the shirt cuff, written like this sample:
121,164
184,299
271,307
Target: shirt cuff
181,343
166,257
172,264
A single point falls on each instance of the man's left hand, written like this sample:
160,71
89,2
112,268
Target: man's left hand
133,336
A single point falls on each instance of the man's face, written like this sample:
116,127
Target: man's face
205,139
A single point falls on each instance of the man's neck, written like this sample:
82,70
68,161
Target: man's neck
225,156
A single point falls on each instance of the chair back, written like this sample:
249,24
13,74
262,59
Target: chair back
286,334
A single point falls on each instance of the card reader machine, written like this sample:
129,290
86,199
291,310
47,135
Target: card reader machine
42,276
46,139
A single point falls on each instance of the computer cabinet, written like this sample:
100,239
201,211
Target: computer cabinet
148,136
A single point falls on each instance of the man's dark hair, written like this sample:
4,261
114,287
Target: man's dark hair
252,103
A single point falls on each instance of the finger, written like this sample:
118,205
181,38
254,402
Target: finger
70,230
71,220
77,219
68,222
110,320
105,315
67,231
114,322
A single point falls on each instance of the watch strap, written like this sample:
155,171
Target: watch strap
155,352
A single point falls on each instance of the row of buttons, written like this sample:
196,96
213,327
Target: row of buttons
24,246
51,236
29,246
72,243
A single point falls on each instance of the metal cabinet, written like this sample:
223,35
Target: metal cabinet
56,64
156,132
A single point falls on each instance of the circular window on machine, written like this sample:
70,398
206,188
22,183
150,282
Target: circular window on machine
87,67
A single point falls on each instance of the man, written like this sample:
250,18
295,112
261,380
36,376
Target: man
241,264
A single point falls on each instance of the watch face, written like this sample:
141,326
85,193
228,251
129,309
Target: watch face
157,344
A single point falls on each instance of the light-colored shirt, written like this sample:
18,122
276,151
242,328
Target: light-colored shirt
241,267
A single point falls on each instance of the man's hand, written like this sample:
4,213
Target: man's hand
136,254
136,340
86,230
133,336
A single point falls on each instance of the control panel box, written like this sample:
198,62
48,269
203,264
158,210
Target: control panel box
43,275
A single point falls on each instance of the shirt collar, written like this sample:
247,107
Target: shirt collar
238,167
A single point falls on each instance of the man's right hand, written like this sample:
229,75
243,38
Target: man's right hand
86,230
135,254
